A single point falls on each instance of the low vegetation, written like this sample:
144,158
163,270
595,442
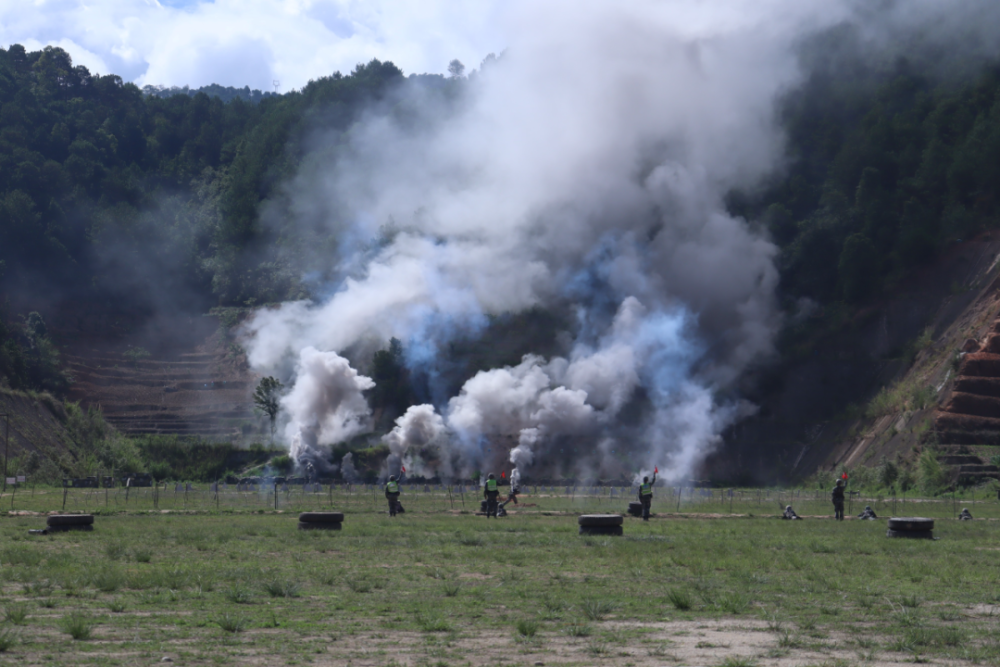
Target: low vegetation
238,585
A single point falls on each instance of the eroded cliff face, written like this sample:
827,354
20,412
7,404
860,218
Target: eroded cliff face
919,368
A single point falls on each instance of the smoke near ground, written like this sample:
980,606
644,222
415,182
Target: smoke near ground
325,405
585,169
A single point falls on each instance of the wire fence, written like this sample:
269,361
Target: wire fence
346,497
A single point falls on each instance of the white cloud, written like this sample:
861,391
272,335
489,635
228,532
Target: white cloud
254,42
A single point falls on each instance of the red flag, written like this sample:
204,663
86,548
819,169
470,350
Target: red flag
402,468
503,475
655,469
844,476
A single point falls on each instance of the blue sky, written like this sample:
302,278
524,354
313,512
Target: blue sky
254,42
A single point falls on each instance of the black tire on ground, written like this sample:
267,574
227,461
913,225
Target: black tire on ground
70,520
601,520
63,529
305,525
321,517
912,534
601,530
911,523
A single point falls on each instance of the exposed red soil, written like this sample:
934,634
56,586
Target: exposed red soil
971,416
195,384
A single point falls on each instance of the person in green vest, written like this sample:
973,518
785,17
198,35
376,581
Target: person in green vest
646,495
392,494
491,493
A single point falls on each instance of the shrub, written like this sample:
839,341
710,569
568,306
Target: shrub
527,628
433,624
7,640
238,594
77,625
283,463
680,599
282,589
232,622
16,614
596,610
930,474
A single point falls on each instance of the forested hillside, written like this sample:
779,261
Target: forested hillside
174,200
107,193
887,169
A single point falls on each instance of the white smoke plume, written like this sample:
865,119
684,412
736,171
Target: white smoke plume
347,469
585,168
515,478
325,405
420,443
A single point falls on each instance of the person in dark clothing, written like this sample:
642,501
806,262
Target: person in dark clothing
392,494
790,514
838,500
646,496
491,493
868,514
966,515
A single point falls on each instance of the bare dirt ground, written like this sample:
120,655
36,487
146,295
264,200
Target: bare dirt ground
192,384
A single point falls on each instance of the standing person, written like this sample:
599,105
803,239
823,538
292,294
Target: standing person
491,493
646,495
838,500
392,494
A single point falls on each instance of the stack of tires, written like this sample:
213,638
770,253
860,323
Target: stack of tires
321,520
635,508
58,523
913,527
601,524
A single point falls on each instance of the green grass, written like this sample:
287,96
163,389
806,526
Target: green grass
77,625
278,588
680,599
526,627
596,610
232,623
235,587
15,614
8,639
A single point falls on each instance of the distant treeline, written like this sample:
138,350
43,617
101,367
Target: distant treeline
153,200
224,93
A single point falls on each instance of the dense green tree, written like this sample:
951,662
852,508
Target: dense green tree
858,267
266,397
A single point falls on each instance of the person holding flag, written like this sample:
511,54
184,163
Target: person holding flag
392,494
646,493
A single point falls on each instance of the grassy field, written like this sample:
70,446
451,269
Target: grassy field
436,586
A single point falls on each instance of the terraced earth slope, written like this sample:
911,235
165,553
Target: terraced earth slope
195,383
968,424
